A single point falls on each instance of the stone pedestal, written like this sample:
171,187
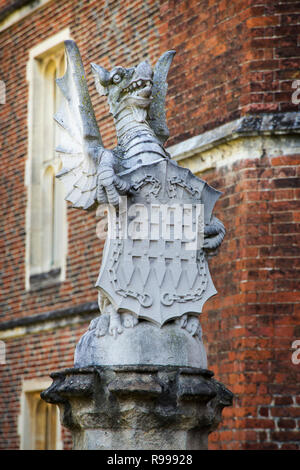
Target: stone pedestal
138,407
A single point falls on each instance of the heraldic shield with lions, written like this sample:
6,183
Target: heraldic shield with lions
154,278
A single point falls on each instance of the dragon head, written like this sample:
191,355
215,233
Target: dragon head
125,87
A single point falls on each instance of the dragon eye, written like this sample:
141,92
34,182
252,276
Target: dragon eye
117,78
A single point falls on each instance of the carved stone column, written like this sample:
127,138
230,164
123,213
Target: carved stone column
138,407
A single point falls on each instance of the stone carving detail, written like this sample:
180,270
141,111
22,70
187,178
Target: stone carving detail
142,297
159,281
138,407
148,179
175,180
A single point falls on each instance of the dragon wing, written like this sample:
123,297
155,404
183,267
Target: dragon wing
157,113
80,141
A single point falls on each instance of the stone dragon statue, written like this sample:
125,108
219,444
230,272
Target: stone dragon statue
95,175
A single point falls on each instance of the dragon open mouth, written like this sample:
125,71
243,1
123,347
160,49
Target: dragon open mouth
139,88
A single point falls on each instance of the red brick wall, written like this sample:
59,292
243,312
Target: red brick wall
233,57
251,324
239,56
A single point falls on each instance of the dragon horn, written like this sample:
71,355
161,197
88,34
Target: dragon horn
101,76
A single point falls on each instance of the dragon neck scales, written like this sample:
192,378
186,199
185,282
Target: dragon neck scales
135,136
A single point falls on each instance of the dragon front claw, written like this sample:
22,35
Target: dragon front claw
214,234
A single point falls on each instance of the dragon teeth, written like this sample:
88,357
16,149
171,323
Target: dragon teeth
138,84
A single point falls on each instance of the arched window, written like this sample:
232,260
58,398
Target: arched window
49,105
41,427
45,426
48,215
47,227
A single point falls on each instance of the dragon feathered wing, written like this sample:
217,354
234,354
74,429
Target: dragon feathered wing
79,140
156,112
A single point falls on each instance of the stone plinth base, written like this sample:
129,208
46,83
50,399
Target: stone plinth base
138,407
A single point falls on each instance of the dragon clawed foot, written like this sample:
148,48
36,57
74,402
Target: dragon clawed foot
191,324
115,325
109,185
129,320
100,325
214,234
112,323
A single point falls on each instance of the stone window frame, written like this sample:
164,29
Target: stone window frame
30,418
40,271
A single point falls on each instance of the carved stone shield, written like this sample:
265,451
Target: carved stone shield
153,263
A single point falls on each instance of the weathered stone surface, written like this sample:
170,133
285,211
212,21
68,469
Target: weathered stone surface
118,408
143,344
